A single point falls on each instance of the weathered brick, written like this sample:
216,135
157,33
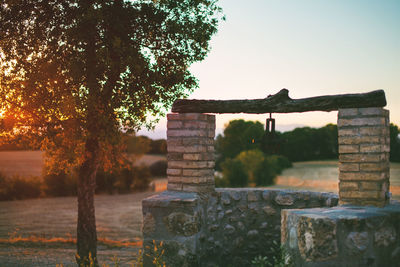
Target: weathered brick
199,156
175,116
355,140
374,148
174,187
349,149
210,164
361,121
187,133
211,133
371,111
174,171
198,172
187,164
348,131
348,186
370,186
189,141
174,124
379,166
361,157
174,179
174,142
377,130
187,149
363,202
363,176
349,166
346,112
196,116
190,180
174,156
195,125
360,194
201,188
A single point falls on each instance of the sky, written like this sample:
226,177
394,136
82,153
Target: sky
310,47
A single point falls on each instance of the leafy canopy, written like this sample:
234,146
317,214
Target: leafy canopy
75,68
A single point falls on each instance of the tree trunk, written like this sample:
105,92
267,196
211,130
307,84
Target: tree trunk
86,230
282,103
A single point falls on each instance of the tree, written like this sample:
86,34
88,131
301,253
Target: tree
239,135
74,73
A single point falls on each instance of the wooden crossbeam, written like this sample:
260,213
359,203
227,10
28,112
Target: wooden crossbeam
282,103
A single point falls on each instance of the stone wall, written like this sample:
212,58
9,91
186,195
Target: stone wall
241,224
228,227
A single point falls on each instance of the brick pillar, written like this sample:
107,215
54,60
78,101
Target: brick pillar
364,146
190,145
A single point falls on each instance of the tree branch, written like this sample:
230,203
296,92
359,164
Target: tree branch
282,103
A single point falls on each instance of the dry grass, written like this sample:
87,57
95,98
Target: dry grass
42,241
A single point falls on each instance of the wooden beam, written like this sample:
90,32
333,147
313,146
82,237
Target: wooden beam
282,103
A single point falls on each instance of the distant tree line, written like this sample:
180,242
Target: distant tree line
123,176
246,154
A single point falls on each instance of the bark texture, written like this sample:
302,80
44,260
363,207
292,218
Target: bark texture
282,103
86,230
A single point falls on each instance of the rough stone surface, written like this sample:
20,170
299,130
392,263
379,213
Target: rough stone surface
343,236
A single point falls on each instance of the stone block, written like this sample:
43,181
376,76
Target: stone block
373,121
378,166
362,157
174,124
188,164
342,236
356,140
348,131
371,148
187,133
360,194
343,149
344,166
372,111
348,112
363,176
376,130
174,186
374,186
348,186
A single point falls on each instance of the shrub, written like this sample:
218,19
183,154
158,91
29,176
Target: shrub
234,171
60,184
16,187
159,168
141,178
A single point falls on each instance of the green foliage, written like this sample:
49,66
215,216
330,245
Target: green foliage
234,171
394,143
280,258
252,161
158,147
159,168
239,135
